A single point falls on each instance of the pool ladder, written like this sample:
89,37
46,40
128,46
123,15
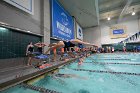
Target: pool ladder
40,89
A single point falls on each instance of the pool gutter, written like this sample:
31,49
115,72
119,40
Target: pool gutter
19,80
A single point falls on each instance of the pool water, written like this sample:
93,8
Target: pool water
93,75
19,89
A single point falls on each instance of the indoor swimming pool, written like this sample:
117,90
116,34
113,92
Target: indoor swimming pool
99,73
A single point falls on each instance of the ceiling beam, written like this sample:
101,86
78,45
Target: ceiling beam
124,10
109,5
116,8
112,9
116,17
115,14
90,27
97,10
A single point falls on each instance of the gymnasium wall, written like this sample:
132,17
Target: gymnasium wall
92,35
13,43
21,19
38,23
131,24
101,34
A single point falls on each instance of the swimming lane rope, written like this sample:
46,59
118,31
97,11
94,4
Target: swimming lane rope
112,63
40,89
109,59
111,72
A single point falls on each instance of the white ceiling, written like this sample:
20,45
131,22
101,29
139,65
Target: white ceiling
83,10
113,8
89,12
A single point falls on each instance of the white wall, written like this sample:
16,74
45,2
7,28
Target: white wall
100,35
130,22
139,21
38,23
18,18
92,35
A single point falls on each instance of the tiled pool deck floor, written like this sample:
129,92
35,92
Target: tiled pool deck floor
18,74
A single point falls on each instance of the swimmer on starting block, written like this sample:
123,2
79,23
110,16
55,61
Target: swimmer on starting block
40,46
66,45
29,52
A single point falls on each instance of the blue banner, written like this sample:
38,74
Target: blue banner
79,32
118,31
62,22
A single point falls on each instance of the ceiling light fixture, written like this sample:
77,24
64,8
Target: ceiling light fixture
108,18
133,13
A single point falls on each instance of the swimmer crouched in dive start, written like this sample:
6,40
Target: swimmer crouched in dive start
65,45
40,46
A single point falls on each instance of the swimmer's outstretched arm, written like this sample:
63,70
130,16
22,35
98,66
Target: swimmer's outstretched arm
40,44
55,46
37,44
43,44
76,41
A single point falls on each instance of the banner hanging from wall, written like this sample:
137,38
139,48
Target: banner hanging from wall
118,31
25,5
62,22
79,32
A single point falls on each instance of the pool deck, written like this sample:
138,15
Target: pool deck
18,74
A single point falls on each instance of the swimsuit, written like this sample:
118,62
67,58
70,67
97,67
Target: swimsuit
39,49
68,45
30,49
80,46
